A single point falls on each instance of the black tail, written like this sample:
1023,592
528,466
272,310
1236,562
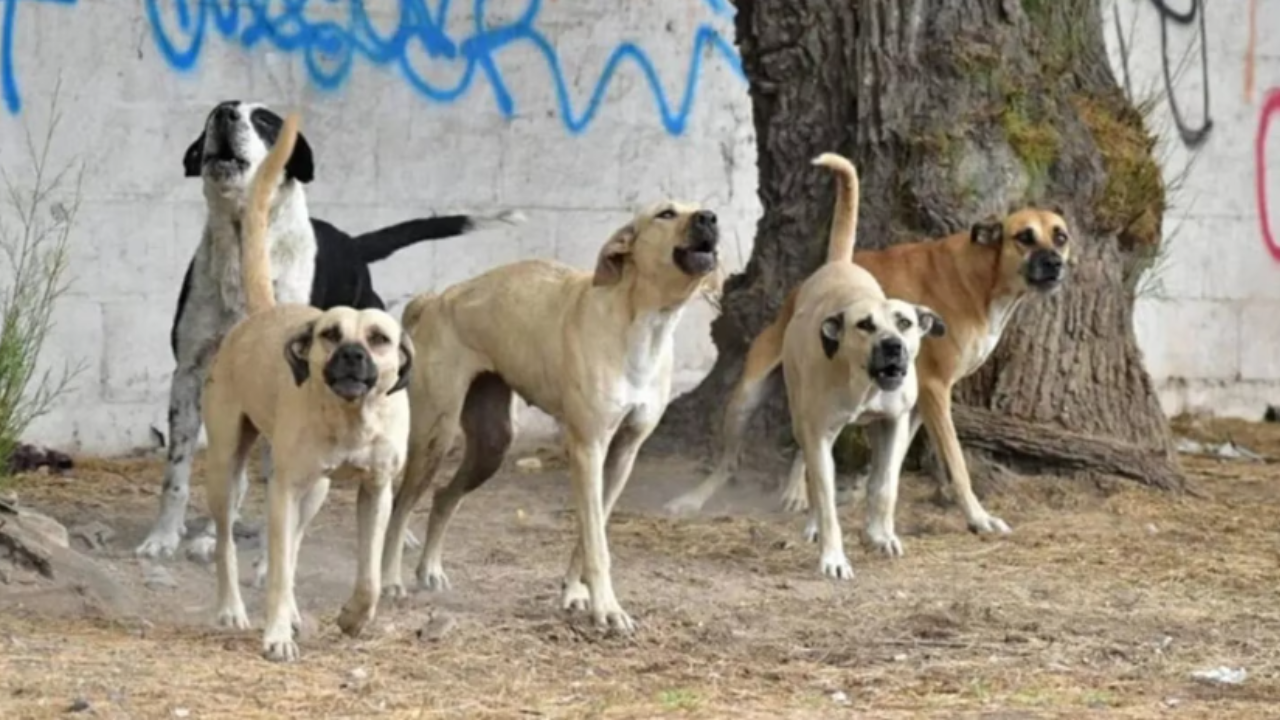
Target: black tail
380,244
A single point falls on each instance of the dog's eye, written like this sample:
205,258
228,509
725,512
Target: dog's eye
378,338
866,324
1026,237
1059,237
668,214
332,334
904,324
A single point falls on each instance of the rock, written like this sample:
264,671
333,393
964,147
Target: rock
529,465
94,535
437,627
52,530
46,562
79,705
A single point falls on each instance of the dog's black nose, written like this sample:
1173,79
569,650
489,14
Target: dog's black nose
225,113
893,348
704,218
350,354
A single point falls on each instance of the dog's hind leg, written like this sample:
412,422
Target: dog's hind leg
229,441
935,406
758,378
434,426
184,429
489,426
617,470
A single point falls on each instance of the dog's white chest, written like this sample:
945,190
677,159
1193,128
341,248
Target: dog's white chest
998,317
646,364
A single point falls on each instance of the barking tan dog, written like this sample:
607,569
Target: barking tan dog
848,356
976,280
592,350
323,387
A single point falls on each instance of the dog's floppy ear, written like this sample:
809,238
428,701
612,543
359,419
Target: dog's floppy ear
301,165
613,255
832,327
296,350
193,160
988,231
1058,210
406,363
931,323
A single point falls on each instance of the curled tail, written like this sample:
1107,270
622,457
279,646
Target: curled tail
844,218
255,258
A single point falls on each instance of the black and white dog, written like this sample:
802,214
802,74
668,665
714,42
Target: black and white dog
312,262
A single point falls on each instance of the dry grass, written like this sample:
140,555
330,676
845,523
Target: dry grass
1104,601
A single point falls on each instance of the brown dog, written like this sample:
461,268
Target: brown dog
976,281
324,388
593,351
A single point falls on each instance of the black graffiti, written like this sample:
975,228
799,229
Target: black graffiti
1192,137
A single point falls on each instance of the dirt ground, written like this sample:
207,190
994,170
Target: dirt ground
1104,601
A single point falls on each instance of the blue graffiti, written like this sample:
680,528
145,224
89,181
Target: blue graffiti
330,50
8,79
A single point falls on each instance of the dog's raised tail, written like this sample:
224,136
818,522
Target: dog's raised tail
255,256
844,218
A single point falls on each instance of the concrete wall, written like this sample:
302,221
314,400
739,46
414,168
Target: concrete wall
431,130
1210,324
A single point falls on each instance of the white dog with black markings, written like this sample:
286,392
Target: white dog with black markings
325,387
848,356
311,262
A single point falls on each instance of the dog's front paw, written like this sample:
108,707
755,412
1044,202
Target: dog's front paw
433,580
354,616
836,566
161,543
394,591
886,543
575,597
988,525
795,499
614,619
280,651
233,617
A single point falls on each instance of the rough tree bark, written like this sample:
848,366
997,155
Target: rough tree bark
953,110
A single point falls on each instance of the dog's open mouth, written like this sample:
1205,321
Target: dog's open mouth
889,377
225,160
350,388
698,257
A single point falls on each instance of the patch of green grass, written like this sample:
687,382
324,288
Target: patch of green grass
1133,199
1036,143
679,699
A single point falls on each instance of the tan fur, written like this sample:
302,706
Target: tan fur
594,350
834,353
973,280
844,219
268,378
255,259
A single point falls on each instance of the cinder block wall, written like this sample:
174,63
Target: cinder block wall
551,127
428,114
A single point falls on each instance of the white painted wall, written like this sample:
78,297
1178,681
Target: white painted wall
1210,330
386,152
1211,333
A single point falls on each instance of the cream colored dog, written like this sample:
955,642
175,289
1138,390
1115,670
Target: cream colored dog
592,350
323,387
848,356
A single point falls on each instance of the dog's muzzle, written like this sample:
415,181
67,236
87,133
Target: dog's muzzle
698,255
350,372
889,363
220,158
1045,270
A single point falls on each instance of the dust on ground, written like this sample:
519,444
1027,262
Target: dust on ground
1104,601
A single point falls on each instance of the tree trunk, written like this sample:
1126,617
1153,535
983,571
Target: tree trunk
954,110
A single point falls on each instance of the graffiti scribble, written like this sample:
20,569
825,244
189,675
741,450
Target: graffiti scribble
1270,111
330,49
1191,137
8,78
